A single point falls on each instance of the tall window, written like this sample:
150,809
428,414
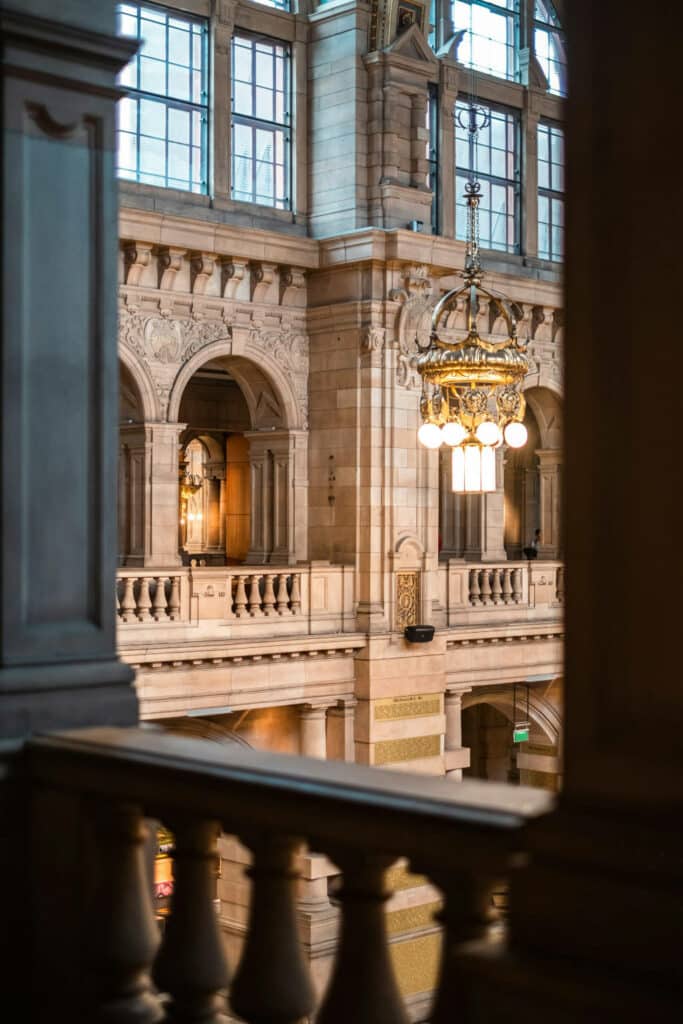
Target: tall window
550,192
163,122
494,157
549,47
282,5
432,148
261,121
491,30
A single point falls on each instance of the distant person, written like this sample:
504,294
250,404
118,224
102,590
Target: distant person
532,550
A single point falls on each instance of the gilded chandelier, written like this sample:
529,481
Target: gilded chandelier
471,397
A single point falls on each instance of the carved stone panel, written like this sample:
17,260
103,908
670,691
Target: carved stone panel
407,599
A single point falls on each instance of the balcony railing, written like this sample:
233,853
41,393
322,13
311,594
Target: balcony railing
314,598
482,593
463,838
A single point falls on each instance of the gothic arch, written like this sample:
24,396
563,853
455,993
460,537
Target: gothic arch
143,382
246,370
543,715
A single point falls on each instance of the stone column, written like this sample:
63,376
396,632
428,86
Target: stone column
485,521
58,456
550,473
313,730
457,757
341,730
162,499
261,486
448,93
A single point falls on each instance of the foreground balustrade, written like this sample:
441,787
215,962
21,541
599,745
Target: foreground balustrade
257,594
462,837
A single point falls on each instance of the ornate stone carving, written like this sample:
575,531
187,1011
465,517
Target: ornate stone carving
414,321
407,599
163,339
372,339
199,333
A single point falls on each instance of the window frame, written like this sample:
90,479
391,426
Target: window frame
203,108
513,16
492,179
550,193
253,122
553,29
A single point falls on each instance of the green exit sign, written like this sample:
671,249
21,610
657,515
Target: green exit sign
520,732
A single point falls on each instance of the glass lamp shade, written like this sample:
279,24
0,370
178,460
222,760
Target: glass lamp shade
488,433
515,435
453,433
429,435
473,469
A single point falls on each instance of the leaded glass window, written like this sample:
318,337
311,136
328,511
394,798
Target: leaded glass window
261,137
550,47
491,32
493,157
550,191
162,130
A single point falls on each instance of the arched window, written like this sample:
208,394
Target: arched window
549,46
491,33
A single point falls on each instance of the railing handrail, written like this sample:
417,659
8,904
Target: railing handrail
297,796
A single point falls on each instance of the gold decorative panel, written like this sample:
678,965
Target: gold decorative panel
416,963
411,749
412,918
407,599
390,708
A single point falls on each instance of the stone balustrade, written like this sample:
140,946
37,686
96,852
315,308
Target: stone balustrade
247,601
512,591
464,839
149,598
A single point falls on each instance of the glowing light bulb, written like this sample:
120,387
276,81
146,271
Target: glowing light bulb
515,435
488,433
453,433
429,435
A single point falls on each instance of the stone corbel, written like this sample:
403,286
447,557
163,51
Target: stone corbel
136,256
541,323
232,275
292,284
262,276
372,344
202,265
558,326
169,262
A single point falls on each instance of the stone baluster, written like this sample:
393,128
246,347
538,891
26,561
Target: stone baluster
474,586
496,589
174,599
127,610
466,915
144,604
295,596
241,597
122,937
282,594
254,596
485,587
269,595
272,983
191,966
507,586
363,987
159,602
229,610
559,584
516,585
